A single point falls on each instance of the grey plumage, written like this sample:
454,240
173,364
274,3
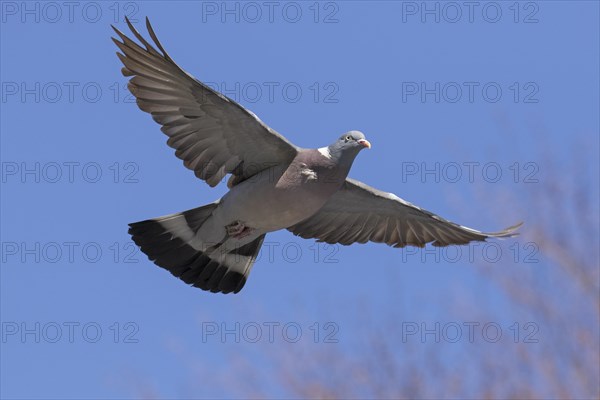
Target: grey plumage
274,184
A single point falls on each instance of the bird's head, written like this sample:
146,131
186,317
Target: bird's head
349,144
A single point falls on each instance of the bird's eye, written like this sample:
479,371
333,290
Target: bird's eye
348,138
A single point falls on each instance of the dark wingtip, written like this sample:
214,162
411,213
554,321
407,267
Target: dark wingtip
130,25
155,40
116,41
118,32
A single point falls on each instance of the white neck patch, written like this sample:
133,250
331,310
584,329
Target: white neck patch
325,152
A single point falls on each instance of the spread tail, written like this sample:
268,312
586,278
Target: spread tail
171,243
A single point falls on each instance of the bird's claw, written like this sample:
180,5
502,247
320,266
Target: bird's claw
238,230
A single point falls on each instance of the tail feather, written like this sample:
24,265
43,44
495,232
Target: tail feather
171,242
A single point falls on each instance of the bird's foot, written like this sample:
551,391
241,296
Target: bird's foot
238,230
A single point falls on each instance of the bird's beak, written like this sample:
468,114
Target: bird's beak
365,143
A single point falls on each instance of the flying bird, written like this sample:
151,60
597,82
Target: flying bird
273,183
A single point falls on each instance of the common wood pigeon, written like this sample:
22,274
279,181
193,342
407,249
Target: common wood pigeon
273,184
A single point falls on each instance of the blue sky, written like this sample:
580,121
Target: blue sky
481,94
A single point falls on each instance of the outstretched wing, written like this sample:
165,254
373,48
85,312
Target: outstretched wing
360,213
211,133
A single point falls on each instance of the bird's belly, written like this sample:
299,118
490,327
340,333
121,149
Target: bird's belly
266,206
